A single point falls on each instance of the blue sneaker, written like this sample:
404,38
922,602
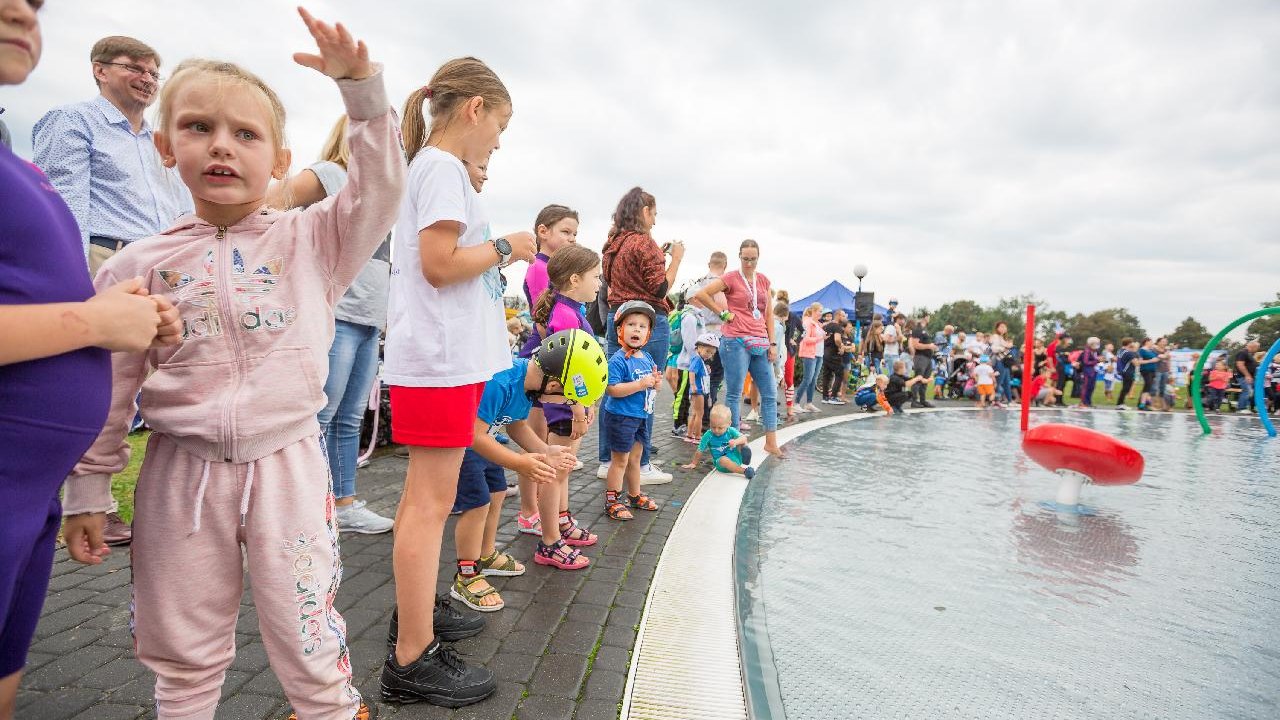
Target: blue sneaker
749,471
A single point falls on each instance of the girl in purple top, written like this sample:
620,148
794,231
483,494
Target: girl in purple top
55,368
573,279
556,227
747,343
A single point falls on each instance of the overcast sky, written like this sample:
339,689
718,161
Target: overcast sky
1098,153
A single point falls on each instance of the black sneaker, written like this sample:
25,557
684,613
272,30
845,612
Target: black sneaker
927,404
439,677
679,430
447,622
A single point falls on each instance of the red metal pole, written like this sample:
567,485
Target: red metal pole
1028,360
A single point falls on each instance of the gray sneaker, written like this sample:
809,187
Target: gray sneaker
359,519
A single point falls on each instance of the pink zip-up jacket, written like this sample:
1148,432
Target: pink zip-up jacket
257,304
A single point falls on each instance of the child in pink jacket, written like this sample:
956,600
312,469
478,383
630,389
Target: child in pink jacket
236,459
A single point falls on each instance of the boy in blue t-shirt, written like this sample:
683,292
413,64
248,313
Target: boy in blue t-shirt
628,403
482,484
700,383
729,451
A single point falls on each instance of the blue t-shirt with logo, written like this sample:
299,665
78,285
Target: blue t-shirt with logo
699,378
718,446
623,369
504,400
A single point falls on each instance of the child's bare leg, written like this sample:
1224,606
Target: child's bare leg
528,497
619,466
469,536
633,469
489,544
429,490
9,694
695,418
726,464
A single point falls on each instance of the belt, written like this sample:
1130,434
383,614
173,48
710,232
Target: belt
108,243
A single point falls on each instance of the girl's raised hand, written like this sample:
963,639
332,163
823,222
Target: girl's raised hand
341,56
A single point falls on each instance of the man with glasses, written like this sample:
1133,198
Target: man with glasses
100,155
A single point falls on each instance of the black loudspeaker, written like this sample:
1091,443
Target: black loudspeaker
864,304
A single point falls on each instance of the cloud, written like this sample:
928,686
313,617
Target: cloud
1098,154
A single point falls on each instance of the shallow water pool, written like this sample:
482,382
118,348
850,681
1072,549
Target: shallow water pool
906,568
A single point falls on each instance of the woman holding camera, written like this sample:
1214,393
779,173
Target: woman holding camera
636,268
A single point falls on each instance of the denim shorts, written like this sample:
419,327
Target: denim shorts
477,479
625,431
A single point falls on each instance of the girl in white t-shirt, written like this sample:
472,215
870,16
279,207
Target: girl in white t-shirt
446,337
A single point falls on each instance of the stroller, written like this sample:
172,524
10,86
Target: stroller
957,377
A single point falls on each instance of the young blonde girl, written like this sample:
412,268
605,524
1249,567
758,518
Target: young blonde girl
236,451
446,337
573,279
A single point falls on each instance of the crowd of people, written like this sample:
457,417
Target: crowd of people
177,274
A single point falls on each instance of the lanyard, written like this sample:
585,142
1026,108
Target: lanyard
754,292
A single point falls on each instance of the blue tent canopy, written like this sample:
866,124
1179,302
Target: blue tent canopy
835,296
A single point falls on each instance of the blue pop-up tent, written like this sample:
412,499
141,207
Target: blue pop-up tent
835,296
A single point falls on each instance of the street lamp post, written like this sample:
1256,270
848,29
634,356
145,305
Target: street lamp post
860,271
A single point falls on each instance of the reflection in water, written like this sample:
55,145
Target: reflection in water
1076,557
904,567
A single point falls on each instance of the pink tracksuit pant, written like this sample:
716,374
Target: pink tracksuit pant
188,576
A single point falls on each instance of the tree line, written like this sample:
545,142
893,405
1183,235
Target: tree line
1109,325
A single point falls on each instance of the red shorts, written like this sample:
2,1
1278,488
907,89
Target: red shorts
441,417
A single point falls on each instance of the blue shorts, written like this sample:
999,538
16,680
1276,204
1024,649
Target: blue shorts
477,479
625,431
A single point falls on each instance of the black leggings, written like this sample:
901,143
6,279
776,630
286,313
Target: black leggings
1126,384
1148,383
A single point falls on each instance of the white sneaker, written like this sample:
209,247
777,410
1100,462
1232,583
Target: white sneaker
752,416
577,465
357,518
650,475
513,490
602,472
812,408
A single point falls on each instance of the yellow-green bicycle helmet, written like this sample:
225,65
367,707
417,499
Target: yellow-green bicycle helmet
575,359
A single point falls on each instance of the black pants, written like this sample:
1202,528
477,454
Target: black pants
1148,384
1061,384
682,399
716,376
1126,384
829,380
923,365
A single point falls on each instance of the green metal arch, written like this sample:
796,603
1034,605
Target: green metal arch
1204,356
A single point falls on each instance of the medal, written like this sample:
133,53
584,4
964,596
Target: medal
756,313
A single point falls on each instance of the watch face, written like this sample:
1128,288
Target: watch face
503,245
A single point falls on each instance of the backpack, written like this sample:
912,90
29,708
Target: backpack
674,318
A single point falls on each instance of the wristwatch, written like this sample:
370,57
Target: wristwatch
503,247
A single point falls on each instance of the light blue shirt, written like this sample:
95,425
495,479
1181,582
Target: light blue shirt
110,177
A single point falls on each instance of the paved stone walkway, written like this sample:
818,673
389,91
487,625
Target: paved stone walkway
560,648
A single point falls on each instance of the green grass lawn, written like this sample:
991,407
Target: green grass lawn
123,483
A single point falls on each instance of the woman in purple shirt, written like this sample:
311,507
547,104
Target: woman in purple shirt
55,368
747,344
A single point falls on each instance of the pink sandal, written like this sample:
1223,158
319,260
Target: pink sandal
529,525
560,555
576,535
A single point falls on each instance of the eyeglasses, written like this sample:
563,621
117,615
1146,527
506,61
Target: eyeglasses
136,69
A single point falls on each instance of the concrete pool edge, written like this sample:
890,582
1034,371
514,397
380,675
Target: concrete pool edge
665,680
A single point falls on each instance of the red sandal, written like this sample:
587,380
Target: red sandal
614,507
642,502
560,555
